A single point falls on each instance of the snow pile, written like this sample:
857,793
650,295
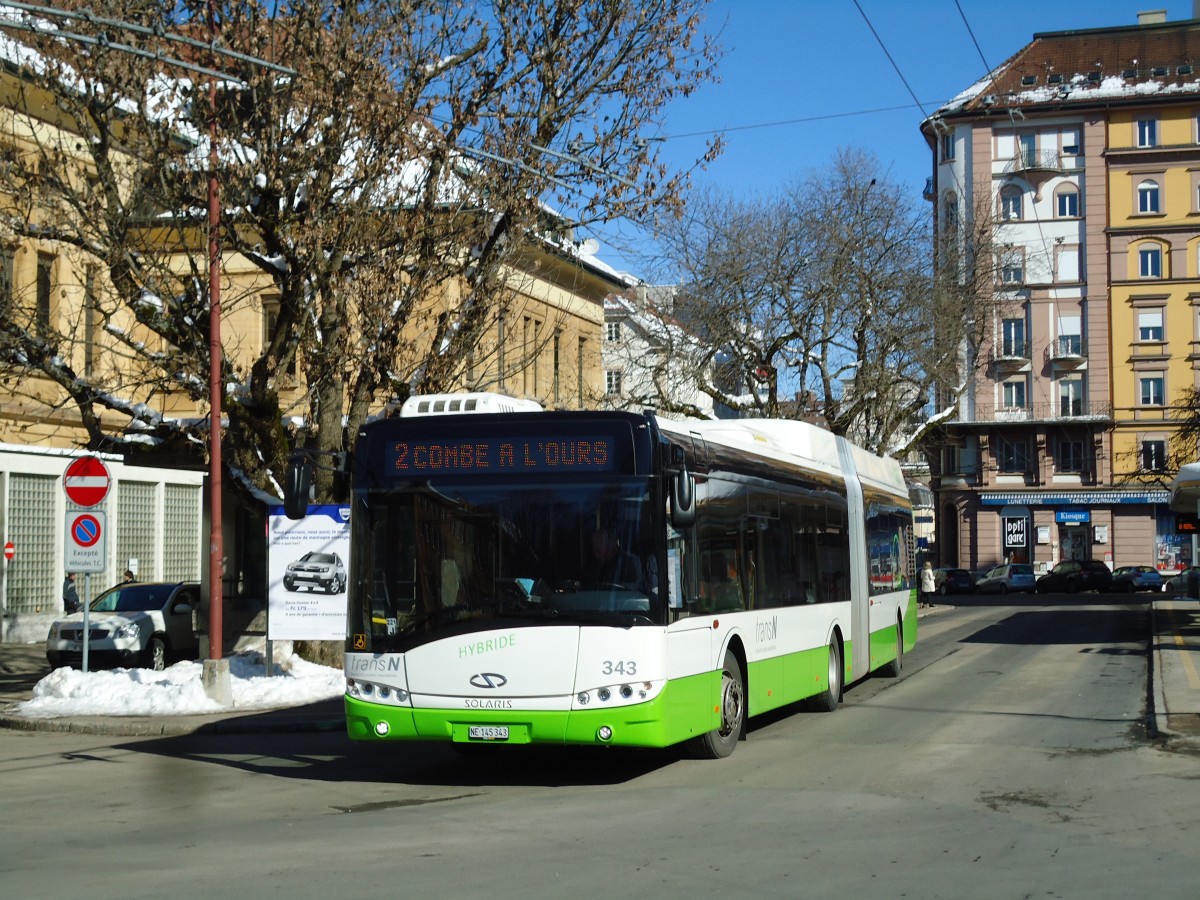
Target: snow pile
179,690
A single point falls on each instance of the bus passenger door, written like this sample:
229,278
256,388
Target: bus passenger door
860,590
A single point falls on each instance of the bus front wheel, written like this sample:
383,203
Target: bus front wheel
828,701
721,742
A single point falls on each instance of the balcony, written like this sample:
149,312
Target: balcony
1010,357
1035,161
1064,409
1035,166
1068,352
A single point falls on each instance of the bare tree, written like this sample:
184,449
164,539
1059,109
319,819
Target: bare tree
380,196
829,291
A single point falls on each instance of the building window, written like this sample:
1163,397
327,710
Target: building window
612,382
612,331
1013,394
45,269
950,212
1069,456
531,347
1013,456
1070,143
1027,144
556,360
1013,338
6,277
501,339
1150,389
89,322
1070,335
947,147
1070,345
1150,325
1147,197
1010,203
1147,132
1066,205
270,322
1150,262
1012,269
1070,397
579,357
1154,456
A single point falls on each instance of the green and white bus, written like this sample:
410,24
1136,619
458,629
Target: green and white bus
611,578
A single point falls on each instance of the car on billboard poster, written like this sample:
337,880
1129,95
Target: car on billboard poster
307,574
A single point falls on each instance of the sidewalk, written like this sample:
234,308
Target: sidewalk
1175,668
1174,695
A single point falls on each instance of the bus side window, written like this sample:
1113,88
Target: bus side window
719,589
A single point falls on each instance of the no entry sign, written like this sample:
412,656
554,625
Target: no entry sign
9,551
86,481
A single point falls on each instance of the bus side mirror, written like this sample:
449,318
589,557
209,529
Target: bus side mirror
683,499
297,488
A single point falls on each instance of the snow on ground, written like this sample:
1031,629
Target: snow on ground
178,690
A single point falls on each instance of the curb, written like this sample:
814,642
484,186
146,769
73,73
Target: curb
173,727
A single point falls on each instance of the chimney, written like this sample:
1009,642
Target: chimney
1157,16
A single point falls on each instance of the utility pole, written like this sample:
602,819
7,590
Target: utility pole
216,668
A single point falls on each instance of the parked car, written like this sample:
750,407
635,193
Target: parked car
134,625
316,570
1177,582
953,581
1005,578
1136,578
1073,575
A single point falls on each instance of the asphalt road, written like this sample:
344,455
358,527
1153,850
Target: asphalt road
1009,760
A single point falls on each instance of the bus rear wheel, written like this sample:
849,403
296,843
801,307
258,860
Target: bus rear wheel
828,701
721,741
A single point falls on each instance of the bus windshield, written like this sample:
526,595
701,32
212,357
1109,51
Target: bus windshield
457,555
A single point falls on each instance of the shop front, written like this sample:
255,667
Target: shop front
1117,527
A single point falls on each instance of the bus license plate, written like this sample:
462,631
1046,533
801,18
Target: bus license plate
488,732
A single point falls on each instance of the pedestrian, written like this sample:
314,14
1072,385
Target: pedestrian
70,595
128,577
928,585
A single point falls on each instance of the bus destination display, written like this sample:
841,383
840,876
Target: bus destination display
491,455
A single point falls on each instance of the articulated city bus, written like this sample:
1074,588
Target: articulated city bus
612,578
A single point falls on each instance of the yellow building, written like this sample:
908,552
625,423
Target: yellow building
546,347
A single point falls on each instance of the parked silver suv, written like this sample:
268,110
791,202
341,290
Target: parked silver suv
136,625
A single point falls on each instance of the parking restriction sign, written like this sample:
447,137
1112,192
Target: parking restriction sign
87,534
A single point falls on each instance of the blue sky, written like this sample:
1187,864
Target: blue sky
799,78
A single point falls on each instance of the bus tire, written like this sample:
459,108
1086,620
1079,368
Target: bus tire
828,701
892,669
721,741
